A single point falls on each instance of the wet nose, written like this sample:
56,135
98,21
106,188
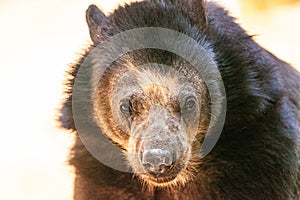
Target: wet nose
156,161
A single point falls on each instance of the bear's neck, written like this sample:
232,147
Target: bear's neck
193,190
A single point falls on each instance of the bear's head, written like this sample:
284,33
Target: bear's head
151,103
156,109
157,115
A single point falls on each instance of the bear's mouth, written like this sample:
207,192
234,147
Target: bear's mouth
168,176
159,179
162,179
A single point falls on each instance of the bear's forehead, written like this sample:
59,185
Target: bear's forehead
153,79
155,94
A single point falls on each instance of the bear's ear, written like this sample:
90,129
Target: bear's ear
196,10
96,21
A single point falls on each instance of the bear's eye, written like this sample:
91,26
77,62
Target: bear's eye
190,103
125,108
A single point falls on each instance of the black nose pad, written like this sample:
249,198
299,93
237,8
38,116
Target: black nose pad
157,161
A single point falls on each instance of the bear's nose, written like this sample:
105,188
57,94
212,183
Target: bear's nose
156,161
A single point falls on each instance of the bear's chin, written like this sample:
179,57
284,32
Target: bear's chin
167,181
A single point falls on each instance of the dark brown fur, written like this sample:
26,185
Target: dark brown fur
257,155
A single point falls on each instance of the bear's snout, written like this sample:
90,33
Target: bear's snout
157,161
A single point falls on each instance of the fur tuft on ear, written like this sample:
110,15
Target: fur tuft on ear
96,20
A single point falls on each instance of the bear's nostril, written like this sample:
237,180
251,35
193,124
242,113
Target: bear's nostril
148,167
163,168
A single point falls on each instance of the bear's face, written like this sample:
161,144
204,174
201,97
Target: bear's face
154,116
157,115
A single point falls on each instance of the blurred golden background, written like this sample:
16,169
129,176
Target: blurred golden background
38,38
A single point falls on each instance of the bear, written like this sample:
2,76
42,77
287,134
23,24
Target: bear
154,107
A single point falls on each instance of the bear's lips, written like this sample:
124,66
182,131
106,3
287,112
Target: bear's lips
163,172
161,178
167,175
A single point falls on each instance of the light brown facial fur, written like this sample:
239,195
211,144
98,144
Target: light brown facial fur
155,117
